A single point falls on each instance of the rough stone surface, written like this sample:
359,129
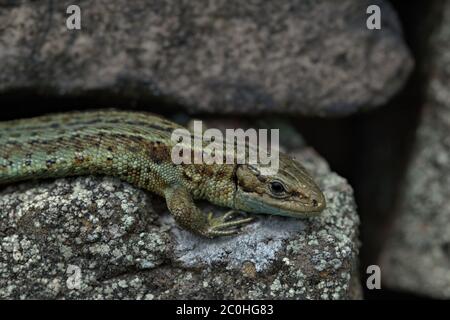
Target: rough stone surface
97,237
417,256
300,56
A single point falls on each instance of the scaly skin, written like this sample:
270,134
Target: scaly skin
136,147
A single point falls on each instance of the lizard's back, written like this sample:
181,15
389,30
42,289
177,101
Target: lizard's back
132,146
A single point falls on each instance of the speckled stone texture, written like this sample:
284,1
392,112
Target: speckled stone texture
100,238
299,56
417,255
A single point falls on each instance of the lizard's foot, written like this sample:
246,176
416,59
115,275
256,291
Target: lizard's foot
224,225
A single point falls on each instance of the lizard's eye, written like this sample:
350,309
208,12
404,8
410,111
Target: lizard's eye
277,188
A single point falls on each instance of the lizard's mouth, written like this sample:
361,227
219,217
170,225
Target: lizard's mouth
298,209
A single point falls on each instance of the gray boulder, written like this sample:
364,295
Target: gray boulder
416,257
305,57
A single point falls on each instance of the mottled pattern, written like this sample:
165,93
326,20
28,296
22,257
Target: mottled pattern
136,147
131,146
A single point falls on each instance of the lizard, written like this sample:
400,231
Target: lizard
136,147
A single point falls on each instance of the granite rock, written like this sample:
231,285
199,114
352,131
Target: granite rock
297,56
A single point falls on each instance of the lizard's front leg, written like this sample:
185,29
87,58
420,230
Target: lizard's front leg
181,205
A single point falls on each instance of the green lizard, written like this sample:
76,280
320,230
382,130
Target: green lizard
136,147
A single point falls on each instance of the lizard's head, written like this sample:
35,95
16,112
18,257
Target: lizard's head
289,192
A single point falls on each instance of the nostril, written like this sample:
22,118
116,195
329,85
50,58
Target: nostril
314,203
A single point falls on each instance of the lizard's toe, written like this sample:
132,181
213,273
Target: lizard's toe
224,225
